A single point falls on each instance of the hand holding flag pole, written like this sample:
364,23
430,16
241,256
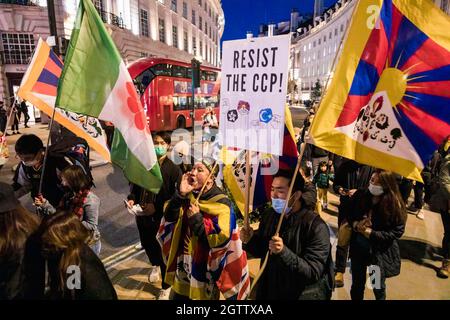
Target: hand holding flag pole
280,221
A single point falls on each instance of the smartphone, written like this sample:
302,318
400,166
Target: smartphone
127,204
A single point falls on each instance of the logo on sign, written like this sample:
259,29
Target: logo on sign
243,107
265,115
232,116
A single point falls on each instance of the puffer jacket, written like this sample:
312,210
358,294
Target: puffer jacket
442,196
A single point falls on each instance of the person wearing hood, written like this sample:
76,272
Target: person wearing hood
300,264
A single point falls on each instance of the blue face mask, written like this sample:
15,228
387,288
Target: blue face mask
278,205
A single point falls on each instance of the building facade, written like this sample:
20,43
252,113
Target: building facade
316,45
176,29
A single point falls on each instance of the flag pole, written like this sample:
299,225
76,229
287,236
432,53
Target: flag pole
280,221
247,189
204,185
46,151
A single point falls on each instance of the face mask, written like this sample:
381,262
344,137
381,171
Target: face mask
160,151
30,163
376,190
278,205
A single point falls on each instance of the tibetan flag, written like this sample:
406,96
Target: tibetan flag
39,86
96,82
263,167
388,105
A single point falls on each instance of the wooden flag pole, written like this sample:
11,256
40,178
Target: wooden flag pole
280,221
204,185
247,188
46,151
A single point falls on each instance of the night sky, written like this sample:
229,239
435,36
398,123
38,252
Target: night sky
246,15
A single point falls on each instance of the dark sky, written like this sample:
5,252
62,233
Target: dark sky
246,15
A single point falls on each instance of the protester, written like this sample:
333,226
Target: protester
24,109
65,246
322,181
181,156
441,201
149,219
300,265
21,269
15,118
191,231
378,219
3,118
30,150
79,200
350,177
210,126
416,206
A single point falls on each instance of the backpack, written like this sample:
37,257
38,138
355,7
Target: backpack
75,151
327,280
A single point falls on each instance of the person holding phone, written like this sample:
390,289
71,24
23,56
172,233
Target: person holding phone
148,220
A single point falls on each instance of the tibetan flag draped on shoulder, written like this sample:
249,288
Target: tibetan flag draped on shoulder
96,82
193,268
263,167
39,86
388,105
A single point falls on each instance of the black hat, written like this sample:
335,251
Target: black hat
209,163
8,200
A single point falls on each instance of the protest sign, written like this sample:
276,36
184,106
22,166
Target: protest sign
253,93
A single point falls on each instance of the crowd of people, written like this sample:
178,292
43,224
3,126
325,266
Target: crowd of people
38,249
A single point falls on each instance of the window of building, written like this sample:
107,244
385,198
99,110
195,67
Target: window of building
324,39
201,48
335,32
206,27
342,28
445,5
162,30
173,6
200,22
143,17
320,41
175,36
210,32
206,7
199,2
185,10
18,48
330,35
185,41
194,45
193,17
314,44
98,4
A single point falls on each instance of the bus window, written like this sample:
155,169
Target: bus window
203,75
180,103
211,76
143,80
179,72
162,69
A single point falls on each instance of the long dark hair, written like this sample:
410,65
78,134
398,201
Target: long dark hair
16,226
63,236
393,209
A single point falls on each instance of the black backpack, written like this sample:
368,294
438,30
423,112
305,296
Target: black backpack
75,151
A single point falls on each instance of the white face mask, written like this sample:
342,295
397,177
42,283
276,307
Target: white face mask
376,190
30,163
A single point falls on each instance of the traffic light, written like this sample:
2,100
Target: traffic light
195,73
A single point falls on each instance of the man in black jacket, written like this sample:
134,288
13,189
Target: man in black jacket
152,204
299,266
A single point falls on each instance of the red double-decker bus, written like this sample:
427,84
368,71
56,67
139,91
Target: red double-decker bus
166,92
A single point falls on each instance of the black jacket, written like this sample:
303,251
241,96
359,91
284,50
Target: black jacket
382,247
22,276
305,257
95,283
171,175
